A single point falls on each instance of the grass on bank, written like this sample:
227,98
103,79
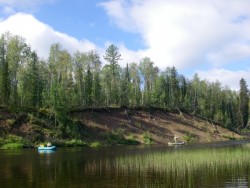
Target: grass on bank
95,144
12,146
74,143
12,142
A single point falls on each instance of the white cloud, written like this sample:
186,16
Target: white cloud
40,36
128,56
231,53
185,33
226,77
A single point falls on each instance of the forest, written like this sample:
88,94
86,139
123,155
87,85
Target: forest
69,82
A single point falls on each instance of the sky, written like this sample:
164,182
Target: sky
208,37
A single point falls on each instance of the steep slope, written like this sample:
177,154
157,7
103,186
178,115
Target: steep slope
110,126
159,125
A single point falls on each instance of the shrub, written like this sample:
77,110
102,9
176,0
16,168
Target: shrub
12,146
115,138
229,137
147,138
74,143
131,140
189,137
13,139
95,144
137,124
10,122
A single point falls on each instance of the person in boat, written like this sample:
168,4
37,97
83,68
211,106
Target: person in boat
175,138
49,144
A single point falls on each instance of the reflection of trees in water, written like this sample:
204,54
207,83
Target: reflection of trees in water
186,168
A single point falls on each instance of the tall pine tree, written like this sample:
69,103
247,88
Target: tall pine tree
243,103
113,56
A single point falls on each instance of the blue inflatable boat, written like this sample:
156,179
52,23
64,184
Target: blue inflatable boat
47,148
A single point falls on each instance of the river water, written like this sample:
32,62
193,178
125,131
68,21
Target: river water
129,166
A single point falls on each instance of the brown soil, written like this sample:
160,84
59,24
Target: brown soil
161,125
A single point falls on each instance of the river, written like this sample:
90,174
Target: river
224,164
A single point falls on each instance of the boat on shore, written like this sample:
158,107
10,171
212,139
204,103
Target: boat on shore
176,143
47,148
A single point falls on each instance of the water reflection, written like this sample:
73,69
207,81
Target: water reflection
157,166
46,151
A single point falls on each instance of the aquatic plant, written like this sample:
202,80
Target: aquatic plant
176,168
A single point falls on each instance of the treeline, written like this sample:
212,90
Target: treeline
66,81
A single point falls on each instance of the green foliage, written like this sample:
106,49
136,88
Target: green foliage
12,142
147,138
137,124
4,73
66,82
118,137
97,98
95,144
149,74
113,56
113,138
229,137
74,143
89,87
12,146
131,140
179,167
2,141
10,122
243,103
13,139
125,87
188,137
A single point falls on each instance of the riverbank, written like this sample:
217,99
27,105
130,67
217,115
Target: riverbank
106,126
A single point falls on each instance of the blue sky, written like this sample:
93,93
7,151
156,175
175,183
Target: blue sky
209,37
86,19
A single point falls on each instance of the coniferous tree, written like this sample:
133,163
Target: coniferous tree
195,93
30,86
88,87
113,56
125,87
61,82
174,88
183,90
97,90
95,64
4,74
243,103
159,92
